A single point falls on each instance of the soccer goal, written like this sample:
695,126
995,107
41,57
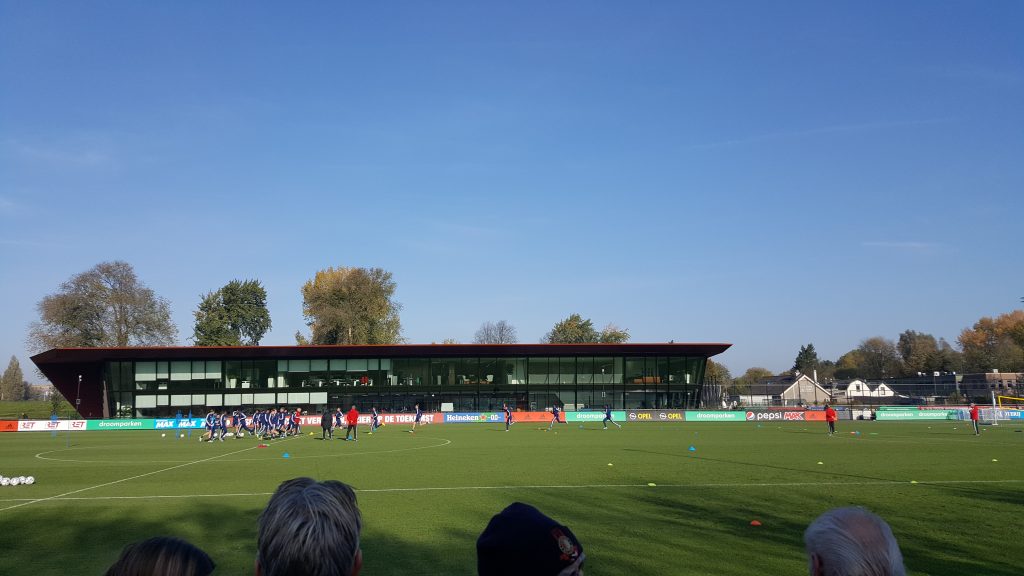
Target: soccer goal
1000,406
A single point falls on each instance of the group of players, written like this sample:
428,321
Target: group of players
281,423
265,424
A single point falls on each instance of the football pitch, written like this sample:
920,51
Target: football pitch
640,500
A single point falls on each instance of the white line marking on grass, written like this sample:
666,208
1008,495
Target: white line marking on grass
41,456
61,496
532,487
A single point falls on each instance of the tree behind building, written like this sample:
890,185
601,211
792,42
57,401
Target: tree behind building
352,306
104,306
234,315
500,332
12,383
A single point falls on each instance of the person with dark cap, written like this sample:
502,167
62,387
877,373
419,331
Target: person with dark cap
522,540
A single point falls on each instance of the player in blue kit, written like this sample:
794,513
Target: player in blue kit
554,417
508,416
339,417
241,423
211,421
374,420
282,423
608,417
416,422
258,422
222,424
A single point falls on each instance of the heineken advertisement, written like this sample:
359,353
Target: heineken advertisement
914,414
715,416
596,416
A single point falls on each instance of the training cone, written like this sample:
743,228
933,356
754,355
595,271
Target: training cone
994,460
913,481
692,449
651,484
610,464
286,455
820,462
310,433
755,522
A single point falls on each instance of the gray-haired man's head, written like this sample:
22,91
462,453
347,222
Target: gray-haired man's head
852,542
310,528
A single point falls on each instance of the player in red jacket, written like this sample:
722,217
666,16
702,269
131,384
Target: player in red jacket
974,418
830,417
352,419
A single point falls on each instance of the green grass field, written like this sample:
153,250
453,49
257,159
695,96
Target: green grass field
426,496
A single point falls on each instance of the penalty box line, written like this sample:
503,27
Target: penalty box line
136,477
509,487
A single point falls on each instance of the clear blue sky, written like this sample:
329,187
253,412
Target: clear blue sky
766,174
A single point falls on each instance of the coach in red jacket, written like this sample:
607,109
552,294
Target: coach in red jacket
974,418
352,419
830,417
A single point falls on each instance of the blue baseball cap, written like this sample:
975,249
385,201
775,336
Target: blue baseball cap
522,540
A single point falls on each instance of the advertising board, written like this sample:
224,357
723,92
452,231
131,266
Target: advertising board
50,426
125,424
914,414
714,416
655,415
178,423
784,415
595,416
8,425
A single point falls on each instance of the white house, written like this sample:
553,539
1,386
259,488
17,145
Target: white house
785,391
855,389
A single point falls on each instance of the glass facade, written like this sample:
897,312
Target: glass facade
163,388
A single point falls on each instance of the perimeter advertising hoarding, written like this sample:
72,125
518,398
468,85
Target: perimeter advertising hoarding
496,417
769,415
1003,414
178,423
50,425
655,415
914,414
365,418
8,425
595,416
714,416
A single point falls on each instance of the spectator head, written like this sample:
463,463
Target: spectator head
309,528
162,556
852,542
522,540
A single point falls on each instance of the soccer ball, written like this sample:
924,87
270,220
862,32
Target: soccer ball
5,481
30,479
15,481
163,435
182,436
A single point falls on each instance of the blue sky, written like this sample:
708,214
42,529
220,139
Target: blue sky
765,174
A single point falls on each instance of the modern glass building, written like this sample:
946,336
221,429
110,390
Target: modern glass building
155,382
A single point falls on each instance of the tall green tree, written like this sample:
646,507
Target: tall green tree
716,373
12,383
918,352
749,380
104,306
576,330
352,306
878,358
806,360
234,315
